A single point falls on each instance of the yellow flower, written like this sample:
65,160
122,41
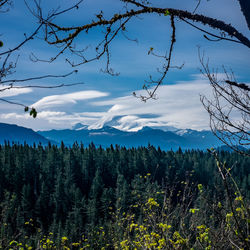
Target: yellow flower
239,198
193,210
64,238
124,244
201,227
151,202
164,226
13,242
200,187
229,215
238,209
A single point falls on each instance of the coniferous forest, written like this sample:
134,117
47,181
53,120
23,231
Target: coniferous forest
116,198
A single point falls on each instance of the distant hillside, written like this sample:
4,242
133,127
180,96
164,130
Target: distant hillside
17,134
167,140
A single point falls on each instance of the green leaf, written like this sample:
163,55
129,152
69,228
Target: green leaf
167,13
26,109
33,113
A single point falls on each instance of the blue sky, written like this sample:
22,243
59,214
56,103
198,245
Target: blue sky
103,98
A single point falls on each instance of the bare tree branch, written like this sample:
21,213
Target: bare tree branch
38,78
158,82
245,8
65,36
8,65
229,110
214,23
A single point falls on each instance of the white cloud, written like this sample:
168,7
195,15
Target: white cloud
71,98
46,120
131,123
10,115
108,116
177,105
50,114
13,91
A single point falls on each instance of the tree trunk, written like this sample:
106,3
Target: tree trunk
245,8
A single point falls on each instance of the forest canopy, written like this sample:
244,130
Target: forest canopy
97,197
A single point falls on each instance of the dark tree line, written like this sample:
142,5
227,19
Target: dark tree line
72,191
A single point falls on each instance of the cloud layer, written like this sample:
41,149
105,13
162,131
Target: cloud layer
13,91
71,98
176,105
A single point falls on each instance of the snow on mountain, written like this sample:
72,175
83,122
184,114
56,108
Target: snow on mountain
79,126
107,135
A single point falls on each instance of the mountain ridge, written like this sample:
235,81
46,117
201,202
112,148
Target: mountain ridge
13,133
107,135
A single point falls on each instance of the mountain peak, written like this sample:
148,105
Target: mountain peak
18,134
186,139
146,128
79,126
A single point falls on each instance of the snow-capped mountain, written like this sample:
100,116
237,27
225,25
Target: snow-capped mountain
79,126
166,140
105,136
